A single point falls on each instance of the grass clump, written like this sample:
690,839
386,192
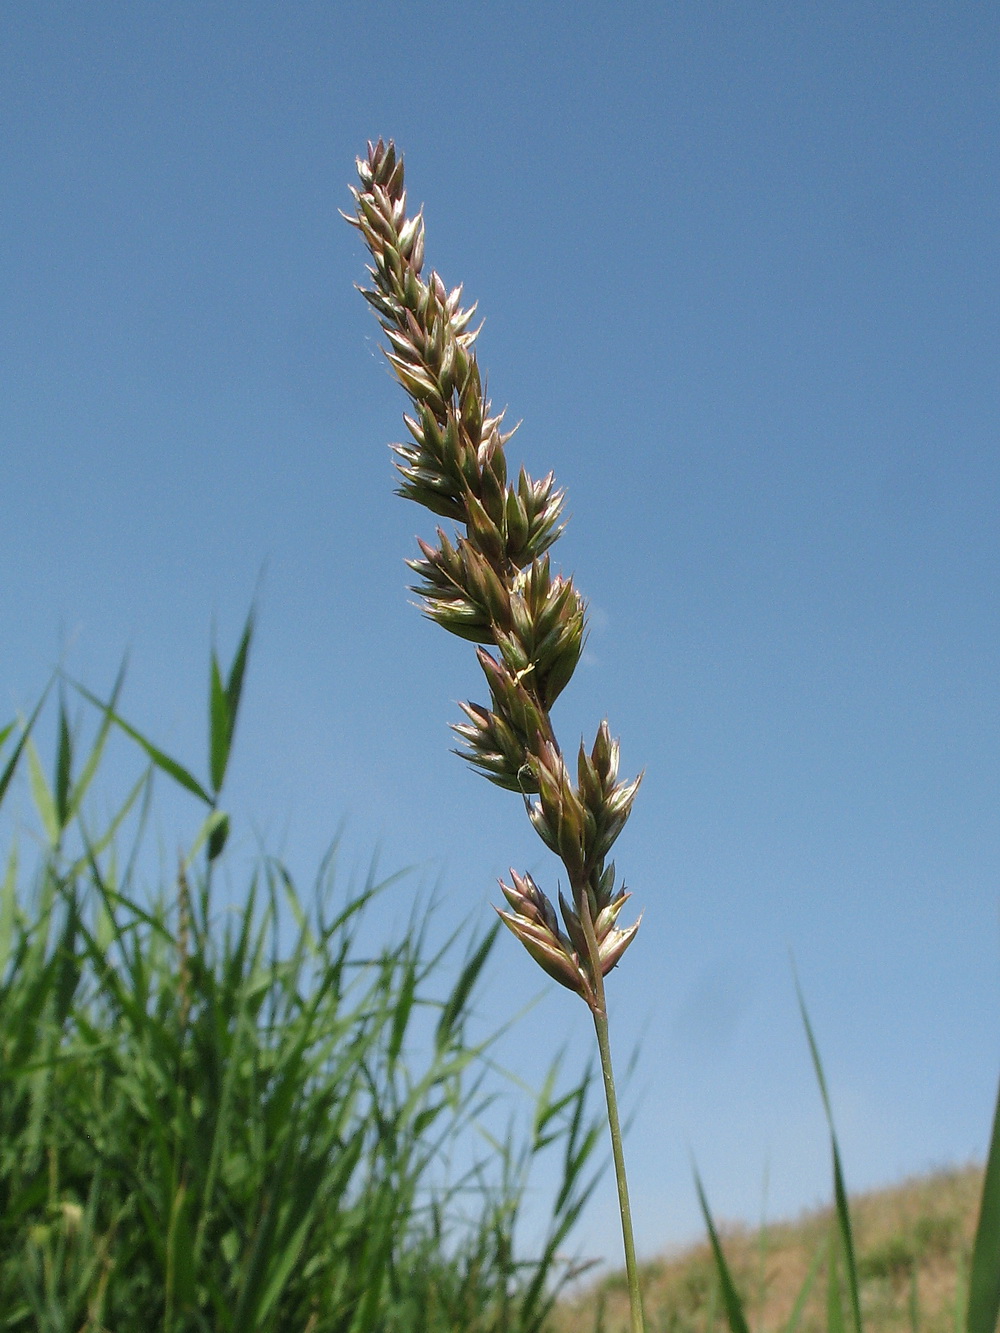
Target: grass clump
236,1120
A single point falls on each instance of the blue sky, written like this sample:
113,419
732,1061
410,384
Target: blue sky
738,266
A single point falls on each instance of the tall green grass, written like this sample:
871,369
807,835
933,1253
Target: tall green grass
236,1119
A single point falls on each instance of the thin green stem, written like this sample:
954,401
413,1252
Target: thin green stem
600,1012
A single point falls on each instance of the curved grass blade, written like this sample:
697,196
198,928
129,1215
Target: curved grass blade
234,685
64,769
223,705
807,1286
834,1301
218,726
456,1003
960,1307
840,1192
984,1277
12,762
41,794
94,847
8,909
162,761
730,1296
97,750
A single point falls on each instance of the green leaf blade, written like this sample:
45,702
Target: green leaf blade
162,761
12,762
234,685
218,727
64,769
42,796
458,999
730,1296
843,1211
224,703
984,1277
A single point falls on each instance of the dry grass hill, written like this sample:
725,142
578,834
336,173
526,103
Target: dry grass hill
913,1242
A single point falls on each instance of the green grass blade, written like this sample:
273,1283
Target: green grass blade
581,1140
804,1291
299,1195
847,1239
234,685
70,963
984,1276
214,832
840,1192
219,836
218,726
403,1010
64,769
730,1296
546,1110
93,760
41,794
8,909
224,703
162,761
458,999
12,762
94,847
961,1293
179,1270
834,1302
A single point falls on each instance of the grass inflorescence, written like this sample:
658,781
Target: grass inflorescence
492,583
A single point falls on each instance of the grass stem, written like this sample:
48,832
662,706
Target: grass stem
631,1267
600,1012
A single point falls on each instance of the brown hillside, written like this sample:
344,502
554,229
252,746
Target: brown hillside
912,1242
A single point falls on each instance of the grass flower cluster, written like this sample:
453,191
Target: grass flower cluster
493,584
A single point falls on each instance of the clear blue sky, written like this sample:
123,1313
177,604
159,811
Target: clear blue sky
739,269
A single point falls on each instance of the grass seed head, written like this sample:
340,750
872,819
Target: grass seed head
492,584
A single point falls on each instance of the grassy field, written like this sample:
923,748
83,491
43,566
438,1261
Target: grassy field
209,1122
913,1243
